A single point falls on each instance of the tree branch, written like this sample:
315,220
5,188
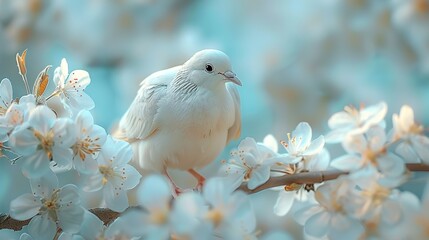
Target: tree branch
315,177
107,215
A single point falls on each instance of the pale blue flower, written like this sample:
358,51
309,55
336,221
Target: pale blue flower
70,88
299,145
49,207
43,139
115,176
250,163
355,121
90,139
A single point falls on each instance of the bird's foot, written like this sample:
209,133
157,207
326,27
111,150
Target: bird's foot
200,178
199,186
177,191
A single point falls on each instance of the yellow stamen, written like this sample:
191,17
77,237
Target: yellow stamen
215,215
46,142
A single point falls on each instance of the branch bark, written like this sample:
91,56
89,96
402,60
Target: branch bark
107,215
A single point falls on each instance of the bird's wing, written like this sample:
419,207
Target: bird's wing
139,122
235,130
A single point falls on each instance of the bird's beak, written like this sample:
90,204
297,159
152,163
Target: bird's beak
231,77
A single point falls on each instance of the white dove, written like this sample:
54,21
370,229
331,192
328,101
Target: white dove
183,117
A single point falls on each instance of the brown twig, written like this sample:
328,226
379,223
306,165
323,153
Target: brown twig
107,215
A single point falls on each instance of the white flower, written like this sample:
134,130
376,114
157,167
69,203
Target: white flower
414,145
115,176
154,195
330,218
48,207
288,194
43,139
6,96
420,220
93,228
250,163
299,145
369,150
71,87
381,207
16,115
90,138
219,211
353,121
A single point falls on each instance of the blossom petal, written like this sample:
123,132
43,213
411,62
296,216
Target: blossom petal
24,207
320,162
40,227
84,121
343,227
421,146
216,190
93,182
318,225
23,141
355,143
374,114
116,199
303,134
315,146
249,146
44,186
340,120
91,226
70,213
78,100
5,93
302,215
35,165
65,133
376,138
406,117
271,142
154,192
185,216
407,152
348,162
391,165
62,156
259,176
132,177
284,202
42,118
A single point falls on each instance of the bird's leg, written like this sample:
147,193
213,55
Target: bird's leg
177,190
200,178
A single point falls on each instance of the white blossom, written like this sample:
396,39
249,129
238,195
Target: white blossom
154,222
70,87
90,139
49,206
352,121
250,163
369,150
330,218
300,146
43,139
289,194
414,145
115,176
6,95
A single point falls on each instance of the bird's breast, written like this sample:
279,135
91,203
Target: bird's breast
195,130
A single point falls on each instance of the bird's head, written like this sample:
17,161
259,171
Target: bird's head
210,68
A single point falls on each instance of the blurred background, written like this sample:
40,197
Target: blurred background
299,60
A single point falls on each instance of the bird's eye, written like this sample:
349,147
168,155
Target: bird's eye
209,68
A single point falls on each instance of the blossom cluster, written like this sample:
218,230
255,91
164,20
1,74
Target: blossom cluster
43,140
